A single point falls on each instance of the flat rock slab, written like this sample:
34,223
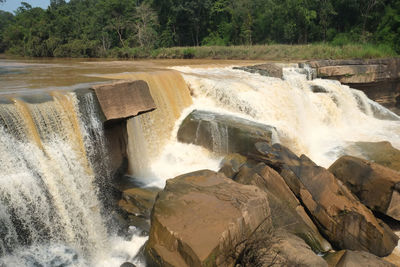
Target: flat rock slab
200,217
124,99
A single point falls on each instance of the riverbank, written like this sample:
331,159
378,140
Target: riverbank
275,52
279,52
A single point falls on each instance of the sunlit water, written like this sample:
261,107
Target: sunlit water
47,171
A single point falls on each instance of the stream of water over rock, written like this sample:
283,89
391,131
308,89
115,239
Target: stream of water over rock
53,162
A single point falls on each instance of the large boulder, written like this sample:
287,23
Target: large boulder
376,186
349,258
201,218
286,211
340,216
279,248
382,153
223,133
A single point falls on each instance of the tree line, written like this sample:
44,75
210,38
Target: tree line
96,28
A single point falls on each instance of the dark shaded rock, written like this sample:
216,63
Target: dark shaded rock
280,249
286,211
223,133
127,264
268,69
382,153
318,89
200,218
337,212
376,186
138,201
231,164
349,258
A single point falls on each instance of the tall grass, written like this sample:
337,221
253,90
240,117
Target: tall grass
265,52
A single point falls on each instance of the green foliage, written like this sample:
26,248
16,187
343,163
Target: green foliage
152,28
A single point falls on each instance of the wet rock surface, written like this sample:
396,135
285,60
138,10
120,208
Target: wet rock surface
223,133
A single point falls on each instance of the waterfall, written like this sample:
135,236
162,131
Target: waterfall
50,207
319,123
149,133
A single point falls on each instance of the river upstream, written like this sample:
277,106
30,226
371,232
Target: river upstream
51,195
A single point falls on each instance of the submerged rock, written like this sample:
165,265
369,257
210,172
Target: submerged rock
338,213
201,218
349,258
286,211
223,133
376,186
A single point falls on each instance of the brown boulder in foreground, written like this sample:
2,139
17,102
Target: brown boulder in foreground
339,215
286,211
200,217
376,186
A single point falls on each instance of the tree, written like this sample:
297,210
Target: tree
145,23
366,7
325,13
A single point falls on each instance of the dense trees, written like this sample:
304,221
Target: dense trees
98,27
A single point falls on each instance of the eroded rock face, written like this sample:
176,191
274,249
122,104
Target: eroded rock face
376,186
286,211
349,258
339,215
223,133
200,217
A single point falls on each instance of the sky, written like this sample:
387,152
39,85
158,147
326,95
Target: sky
12,5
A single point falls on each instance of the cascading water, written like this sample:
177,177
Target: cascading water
320,124
50,211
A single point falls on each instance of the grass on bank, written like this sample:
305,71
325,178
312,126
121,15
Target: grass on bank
264,52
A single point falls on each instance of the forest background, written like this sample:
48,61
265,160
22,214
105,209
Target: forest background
264,29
